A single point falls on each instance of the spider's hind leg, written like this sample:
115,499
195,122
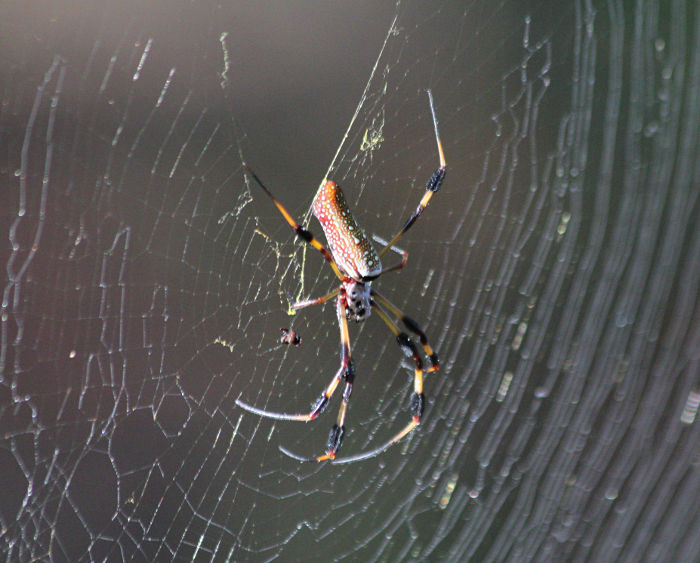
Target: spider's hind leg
300,231
431,188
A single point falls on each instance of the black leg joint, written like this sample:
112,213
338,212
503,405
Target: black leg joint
436,180
350,372
407,345
409,349
335,438
303,234
414,328
319,406
417,405
435,361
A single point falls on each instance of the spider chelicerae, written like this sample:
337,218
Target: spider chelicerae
357,265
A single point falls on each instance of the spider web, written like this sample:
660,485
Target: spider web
146,282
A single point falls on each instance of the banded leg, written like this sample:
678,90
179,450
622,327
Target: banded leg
327,393
300,231
417,404
411,325
347,370
433,184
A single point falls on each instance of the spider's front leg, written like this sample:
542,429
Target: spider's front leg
347,369
316,301
417,405
411,325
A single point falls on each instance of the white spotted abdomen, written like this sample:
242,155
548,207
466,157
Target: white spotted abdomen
351,249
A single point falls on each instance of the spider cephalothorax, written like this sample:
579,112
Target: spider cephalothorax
356,264
357,295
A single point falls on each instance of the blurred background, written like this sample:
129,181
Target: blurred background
145,280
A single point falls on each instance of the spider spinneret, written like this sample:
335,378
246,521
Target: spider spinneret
355,262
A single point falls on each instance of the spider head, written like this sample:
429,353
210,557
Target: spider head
357,297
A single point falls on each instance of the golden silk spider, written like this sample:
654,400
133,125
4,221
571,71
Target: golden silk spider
356,264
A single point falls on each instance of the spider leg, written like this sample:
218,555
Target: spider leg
347,371
417,398
317,301
300,231
433,184
411,325
322,401
373,453
400,251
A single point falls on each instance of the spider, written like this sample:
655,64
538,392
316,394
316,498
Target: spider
290,337
357,265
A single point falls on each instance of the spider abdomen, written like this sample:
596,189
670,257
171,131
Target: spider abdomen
350,247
